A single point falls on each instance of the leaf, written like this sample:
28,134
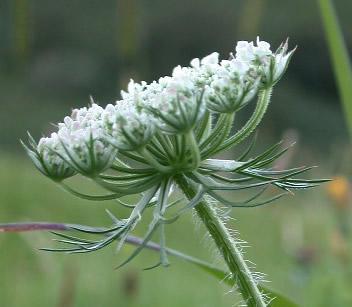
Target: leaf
339,56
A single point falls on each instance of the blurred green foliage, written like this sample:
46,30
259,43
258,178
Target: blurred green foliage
293,241
53,55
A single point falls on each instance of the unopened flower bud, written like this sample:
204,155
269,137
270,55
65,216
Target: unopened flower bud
46,160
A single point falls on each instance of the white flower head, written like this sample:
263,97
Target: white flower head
87,141
278,65
231,88
175,101
248,52
134,92
270,66
45,158
127,126
83,143
210,60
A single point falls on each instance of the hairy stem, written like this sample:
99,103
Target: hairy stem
194,148
220,136
227,247
251,124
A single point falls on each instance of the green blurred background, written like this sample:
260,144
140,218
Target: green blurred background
54,54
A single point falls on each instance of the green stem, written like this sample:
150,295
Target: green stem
203,129
251,124
214,132
227,247
153,162
165,145
220,136
194,147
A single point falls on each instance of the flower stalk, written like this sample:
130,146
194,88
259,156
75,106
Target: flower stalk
251,124
227,247
194,149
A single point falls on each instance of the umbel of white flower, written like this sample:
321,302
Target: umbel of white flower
168,132
89,140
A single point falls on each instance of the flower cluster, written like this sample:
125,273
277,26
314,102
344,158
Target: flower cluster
87,141
166,134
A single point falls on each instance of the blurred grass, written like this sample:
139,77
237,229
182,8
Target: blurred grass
94,51
290,241
339,57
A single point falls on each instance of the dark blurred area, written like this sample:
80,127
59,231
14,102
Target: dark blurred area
54,54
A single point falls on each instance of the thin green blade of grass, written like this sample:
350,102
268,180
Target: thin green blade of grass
339,57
